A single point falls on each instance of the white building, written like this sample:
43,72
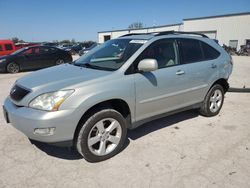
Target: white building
231,29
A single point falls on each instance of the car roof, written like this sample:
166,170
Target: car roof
169,34
6,41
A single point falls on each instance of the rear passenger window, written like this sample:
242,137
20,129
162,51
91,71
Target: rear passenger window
190,51
8,47
209,52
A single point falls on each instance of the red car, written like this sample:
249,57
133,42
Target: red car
6,47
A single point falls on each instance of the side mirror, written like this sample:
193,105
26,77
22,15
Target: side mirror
148,65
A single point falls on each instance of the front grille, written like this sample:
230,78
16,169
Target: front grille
17,93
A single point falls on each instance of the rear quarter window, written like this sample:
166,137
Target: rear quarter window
8,47
209,52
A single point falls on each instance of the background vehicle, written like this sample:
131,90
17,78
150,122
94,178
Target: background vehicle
85,50
6,47
120,85
34,57
66,47
75,49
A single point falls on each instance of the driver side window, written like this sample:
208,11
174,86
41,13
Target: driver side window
28,52
164,51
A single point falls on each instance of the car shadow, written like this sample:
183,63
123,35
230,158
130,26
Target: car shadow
161,123
68,153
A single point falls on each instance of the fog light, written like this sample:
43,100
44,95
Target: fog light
45,131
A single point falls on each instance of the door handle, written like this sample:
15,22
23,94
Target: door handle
180,72
213,66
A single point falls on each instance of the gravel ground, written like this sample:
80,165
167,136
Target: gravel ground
182,150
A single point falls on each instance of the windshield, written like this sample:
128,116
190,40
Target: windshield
111,55
19,51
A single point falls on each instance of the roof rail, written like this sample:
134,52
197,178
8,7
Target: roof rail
180,32
167,33
129,34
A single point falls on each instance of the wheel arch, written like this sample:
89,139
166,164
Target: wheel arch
119,105
13,61
223,82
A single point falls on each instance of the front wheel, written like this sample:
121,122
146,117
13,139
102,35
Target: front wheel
102,136
213,101
13,68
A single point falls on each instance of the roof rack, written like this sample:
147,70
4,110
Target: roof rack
167,33
130,34
180,32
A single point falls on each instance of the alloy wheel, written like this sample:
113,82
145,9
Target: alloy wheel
215,101
13,68
104,136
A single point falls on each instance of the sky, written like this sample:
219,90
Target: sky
48,20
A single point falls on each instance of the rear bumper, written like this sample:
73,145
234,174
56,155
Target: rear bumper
27,120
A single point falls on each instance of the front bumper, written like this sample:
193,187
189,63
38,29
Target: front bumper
27,120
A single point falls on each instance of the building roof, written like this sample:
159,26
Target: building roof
169,25
218,16
178,24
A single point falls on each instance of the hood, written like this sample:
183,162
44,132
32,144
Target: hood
6,56
60,77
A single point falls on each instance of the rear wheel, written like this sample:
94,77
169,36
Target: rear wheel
13,68
60,61
102,135
213,101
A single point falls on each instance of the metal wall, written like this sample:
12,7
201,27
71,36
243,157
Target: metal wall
224,28
227,29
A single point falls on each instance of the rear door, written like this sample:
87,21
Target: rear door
200,69
47,56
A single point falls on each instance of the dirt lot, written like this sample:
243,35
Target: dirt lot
183,150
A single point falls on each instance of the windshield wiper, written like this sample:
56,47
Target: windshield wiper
88,65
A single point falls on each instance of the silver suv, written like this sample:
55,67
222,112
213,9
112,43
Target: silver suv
119,85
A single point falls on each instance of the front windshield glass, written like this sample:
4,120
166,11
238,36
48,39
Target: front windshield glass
19,51
111,55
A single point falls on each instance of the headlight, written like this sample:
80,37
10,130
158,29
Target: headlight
2,60
50,101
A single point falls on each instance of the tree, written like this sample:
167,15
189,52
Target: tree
17,40
136,25
87,44
65,41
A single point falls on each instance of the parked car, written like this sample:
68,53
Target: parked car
86,50
35,57
75,49
119,85
66,47
6,47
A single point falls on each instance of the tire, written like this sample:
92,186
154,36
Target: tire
12,68
102,136
213,101
60,62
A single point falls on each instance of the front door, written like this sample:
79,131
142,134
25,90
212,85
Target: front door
160,91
